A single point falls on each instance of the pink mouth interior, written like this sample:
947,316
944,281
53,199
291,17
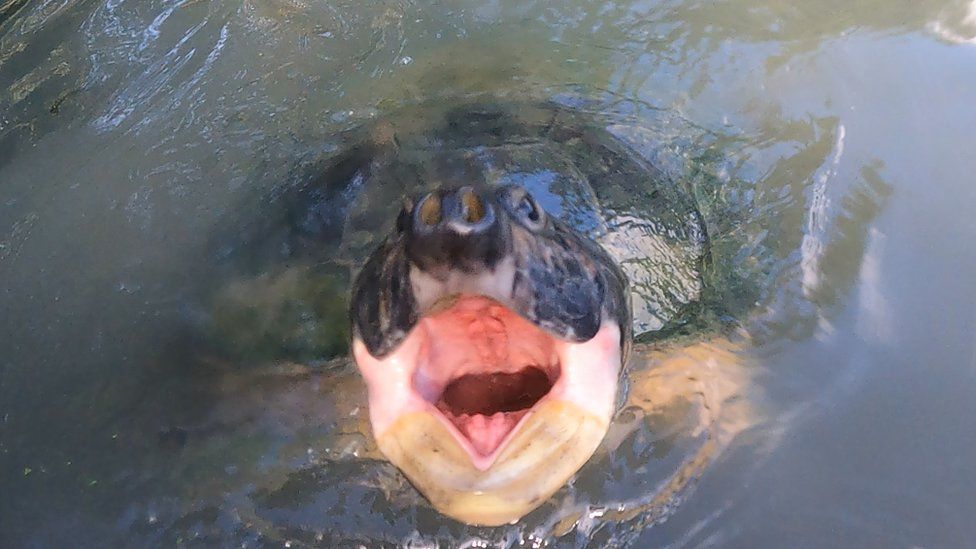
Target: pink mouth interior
484,367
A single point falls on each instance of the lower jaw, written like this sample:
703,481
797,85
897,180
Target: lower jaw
549,447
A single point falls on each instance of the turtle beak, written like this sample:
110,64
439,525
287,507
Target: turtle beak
454,408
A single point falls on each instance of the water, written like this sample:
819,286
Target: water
136,135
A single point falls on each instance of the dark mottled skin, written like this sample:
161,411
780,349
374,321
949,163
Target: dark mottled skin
383,308
564,282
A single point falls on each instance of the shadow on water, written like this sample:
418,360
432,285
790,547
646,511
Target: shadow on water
176,279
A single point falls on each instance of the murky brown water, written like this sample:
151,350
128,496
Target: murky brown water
147,150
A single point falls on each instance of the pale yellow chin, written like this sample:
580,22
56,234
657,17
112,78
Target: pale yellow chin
549,446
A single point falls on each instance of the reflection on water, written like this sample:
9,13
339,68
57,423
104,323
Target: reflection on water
155,386
956,27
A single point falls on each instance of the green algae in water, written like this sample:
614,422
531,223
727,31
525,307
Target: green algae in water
298,314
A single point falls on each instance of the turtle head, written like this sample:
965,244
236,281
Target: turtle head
491,337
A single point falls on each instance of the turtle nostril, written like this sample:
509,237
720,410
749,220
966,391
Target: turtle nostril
459,212
472,208
429,211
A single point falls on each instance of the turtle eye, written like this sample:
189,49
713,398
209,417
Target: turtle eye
528,210
526,207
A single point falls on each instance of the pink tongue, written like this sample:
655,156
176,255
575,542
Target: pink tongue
486,432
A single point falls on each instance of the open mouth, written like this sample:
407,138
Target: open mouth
484,373
483,368
486,407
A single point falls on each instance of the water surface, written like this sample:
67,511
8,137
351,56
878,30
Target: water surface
139,137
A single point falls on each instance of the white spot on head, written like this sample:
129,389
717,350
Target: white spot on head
495,283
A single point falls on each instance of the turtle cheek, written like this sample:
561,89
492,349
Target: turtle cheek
568,307
591,371
382,307
389,380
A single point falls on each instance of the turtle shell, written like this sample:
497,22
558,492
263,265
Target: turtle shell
571,160
572,164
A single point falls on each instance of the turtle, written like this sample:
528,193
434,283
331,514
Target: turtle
522,284
491,338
